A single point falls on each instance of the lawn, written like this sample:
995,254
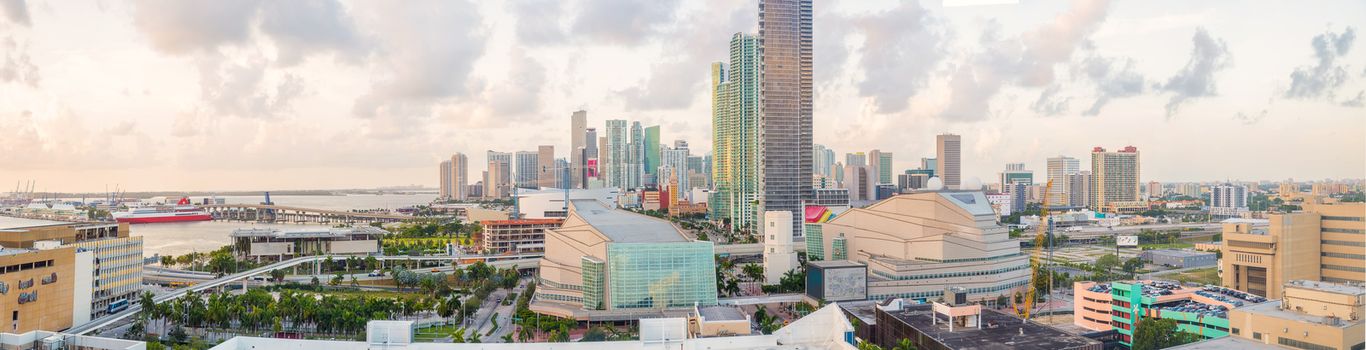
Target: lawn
433,332
1209,275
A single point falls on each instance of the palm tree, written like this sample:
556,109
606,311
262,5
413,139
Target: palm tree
755,272
904,344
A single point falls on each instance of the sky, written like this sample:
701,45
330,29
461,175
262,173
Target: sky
321,94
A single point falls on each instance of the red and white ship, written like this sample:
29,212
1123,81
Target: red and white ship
182,211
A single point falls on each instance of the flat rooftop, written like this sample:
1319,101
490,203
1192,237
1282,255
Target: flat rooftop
9,223
1178,253
834,263
722,313
1229,342
999,331
1329,287
306,233
625,227
1273,309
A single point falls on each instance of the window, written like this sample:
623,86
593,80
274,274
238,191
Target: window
1235,331
1257,335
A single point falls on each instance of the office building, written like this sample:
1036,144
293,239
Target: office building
931,164
613,163
603,263
588,170
1059,170
272,244
1228,200
42,287
460,177
561,174
1154,190
1015,172
1019,196
917,245
112,277
676,159
785,39
498,177
1311,315
545,167
735,134
652,155
527,169
1321,243
858,179
1078,188
517,236
856,158
1115,179
949,153
881,165
824,160
444,180
635,172
1201,312
549,203
579,140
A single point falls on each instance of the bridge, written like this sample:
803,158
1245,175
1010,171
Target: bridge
274,213
514,261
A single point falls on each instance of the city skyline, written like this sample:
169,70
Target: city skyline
171,101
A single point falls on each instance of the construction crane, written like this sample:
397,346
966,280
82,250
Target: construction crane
1044,236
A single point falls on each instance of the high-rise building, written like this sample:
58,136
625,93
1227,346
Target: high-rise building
858,179
1115,177
785,38
528,169
1228,200
460,177
881,164
1078,190
498,177
824,159
635,172
1321,243
949,153
579,140
1059,168
1015,172
444,180
931,164
613,163
1154,189
651,159
563,175
676,160
545,167
735,134
856,158
590,155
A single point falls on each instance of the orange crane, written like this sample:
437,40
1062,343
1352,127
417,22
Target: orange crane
1042,237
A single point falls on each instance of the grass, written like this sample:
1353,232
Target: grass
1181,245
434,332
1209,275
356,293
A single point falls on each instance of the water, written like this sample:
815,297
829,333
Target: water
178,238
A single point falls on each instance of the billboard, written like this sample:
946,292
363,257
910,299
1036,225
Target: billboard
592,168
1126,241
846,284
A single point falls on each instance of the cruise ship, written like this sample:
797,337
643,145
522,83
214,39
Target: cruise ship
181,211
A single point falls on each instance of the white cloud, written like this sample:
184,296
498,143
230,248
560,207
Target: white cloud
1196,80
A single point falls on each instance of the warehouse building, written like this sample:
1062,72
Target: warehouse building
270,244
1179,258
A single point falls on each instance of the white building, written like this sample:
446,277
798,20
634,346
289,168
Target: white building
1228,200
548,203
779,254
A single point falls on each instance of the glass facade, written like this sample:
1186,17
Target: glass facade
815,243
735,132
785,38
660,275
839,250
592,283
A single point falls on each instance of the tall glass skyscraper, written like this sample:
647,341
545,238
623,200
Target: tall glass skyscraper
614,158
735,138
652,155
785,38
636,165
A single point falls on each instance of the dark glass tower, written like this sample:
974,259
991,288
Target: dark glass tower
786,96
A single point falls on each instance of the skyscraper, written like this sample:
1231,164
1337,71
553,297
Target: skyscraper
460,177
880,164
527,169
636,171
931,164
949,152
578,140
735,134
676,159
1078,188
1115,177
613,163
785,38
591,159
1059,168
444,180
498,178
545,172
651,163
856,158
1227,200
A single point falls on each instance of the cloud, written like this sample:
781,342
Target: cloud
301,28
1326,75
1358,101
1027,60
902,47
242,89
520,94
623,22
181,27
1113,78
1049,103
64,139
1249,119
16,11
677,81
1196,80
538,21
429,49
15,64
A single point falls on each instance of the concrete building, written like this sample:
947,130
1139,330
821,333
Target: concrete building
548,203
1179,258
785,39
651,160
460,177
1115,178
735,134
917,245
43,294
608,264
45,340
444,190
518,236
949,326
824,158
881,164
498,177
858,180
527,169
1119,306
1015,172
1310,315
949,159
545,167
579,142
780,254
830,197
1228,200
616,154
1322,243
1154,190
114,276
1059,170
270,244
1078,189
719,321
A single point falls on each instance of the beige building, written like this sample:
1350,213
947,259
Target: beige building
1325,242
1311,315
949,155
117,269
516,236
1114,177
917,245
38,288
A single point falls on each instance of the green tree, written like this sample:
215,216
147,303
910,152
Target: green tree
277,275
1153,334
754,272
1106,262
1132,265
904,344
865,345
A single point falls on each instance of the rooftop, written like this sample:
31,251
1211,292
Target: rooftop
974,202
8,223
999,331
1337,288
521,222
307,233
722,313
1178,252
1273,309
1230,342
625,227
834,263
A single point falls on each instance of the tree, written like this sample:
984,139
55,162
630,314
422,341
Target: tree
1153,334
1106,262
754,272
167,261
336,280
865,345
904,344
277,275
1132,265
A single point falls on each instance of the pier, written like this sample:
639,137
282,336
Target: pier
281,213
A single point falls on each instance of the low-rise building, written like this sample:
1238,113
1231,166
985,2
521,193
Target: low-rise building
45,340
1309,315
1179,258
271,244
962,326
45,289
115,277
718,321
1120,306
518,236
